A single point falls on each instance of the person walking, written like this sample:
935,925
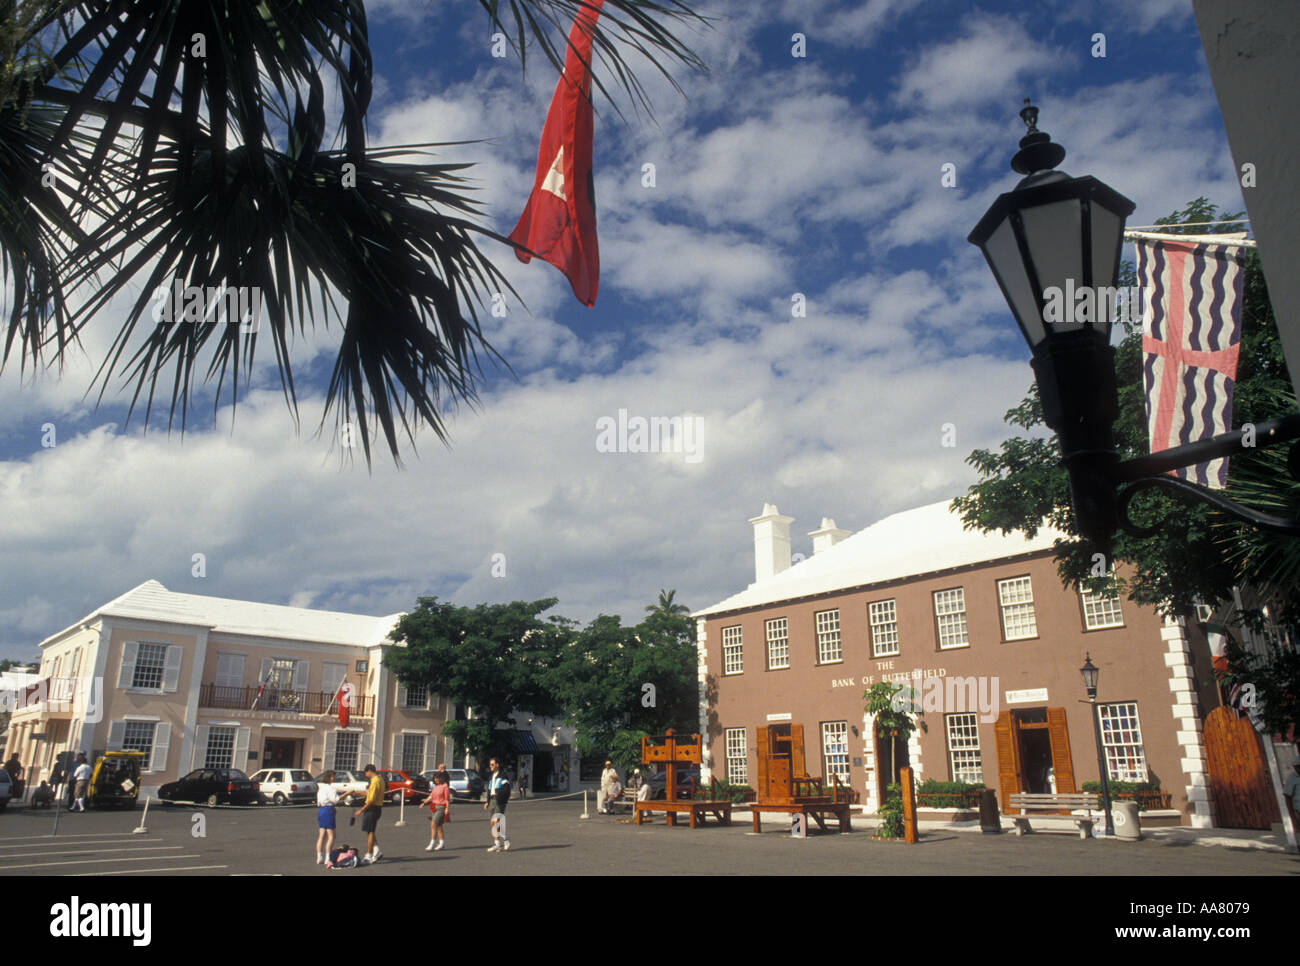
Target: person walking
327,797
81,782
523,781
370,813
498,795
439,803
608,778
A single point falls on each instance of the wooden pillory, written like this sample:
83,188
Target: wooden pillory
784,785
673,751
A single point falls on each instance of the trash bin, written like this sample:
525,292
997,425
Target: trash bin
1125,815
990,820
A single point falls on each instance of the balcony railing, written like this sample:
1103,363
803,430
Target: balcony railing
278,699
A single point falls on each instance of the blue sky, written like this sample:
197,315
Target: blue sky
775,175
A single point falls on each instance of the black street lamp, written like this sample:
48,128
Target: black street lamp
1053,244
1090,674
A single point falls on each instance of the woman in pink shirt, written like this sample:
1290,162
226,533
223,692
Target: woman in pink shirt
439,802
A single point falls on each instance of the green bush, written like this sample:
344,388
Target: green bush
933,793
1125,790
724,792
891,814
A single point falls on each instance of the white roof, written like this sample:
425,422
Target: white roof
920,541
154,602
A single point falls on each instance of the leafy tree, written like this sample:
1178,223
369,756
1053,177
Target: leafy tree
665,605
1023,484
1275,684
488,658
601,679
146,141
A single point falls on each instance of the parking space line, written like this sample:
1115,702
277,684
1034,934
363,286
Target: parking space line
139,848
178,868
47,835
143,858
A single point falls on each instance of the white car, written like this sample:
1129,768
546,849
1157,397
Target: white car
351,785
281,786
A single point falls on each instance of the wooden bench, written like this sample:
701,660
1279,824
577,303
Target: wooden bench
817,810
696,810
1058,803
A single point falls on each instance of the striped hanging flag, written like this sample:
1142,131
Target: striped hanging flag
1191,330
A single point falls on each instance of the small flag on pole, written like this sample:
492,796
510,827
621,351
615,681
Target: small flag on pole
559,221
1191,332
258,697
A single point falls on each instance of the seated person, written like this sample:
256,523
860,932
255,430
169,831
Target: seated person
615,792
43,796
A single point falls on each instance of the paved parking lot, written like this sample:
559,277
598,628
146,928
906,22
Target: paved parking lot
549,838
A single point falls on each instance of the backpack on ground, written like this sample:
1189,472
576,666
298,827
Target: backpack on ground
345,857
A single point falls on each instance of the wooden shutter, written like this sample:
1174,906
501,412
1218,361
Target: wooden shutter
396,760
126,671
365,750
797,766
172,668
331,750
240,757
116,732
401,695
761,746
332,675
162,737
300,671
1004,733
200,747
1062,763
430,752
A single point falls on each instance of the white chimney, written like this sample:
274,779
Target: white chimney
827,535
771,542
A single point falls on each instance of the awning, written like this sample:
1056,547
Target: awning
525,743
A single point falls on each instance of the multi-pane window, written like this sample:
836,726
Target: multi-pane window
413,753
220,752
1101,611
737,757
778,643
149,662
1017,599
828,636
345,750
950,613
964,748
1121,737
835,750
138,736
733,659
884,628
417,695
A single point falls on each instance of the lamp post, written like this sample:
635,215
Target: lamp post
1053,244
1090,673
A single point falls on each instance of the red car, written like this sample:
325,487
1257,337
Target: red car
399,782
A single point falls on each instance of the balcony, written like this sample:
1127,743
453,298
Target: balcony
279,700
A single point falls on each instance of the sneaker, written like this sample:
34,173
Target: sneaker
495,848
376,856
505,845
441,843
430,847
319,858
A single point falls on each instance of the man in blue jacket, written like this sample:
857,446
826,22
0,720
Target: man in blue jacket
498,795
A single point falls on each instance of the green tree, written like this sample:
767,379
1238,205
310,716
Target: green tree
665,605
488,658
1023,484
618,683
146,141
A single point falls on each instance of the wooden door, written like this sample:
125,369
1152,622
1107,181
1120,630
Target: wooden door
1004,731
762,748
1062,763
797,766
1239,778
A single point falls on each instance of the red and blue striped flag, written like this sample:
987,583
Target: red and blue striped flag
1191,331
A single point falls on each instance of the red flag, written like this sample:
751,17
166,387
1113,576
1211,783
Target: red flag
559,221
344,698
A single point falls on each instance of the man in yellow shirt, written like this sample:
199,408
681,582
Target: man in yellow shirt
372,810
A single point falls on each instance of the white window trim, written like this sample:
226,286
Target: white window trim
1002,607
141,717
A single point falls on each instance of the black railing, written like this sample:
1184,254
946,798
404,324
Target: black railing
281,699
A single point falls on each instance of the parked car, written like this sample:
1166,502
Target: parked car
280,786
465,783
685,776
416,788
116,779
212,786
6,789
351,785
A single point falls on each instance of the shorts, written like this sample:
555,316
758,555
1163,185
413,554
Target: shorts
325,817
370,819
82,785
439,816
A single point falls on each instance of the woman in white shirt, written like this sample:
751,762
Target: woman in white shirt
326,798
